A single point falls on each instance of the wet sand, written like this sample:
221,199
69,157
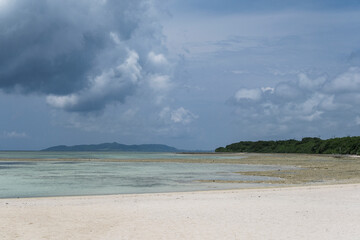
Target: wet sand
308,212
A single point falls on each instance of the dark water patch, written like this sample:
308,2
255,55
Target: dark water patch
6,167
67,163
17,163
148,185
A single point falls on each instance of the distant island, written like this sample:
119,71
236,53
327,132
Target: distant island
107,147
345,145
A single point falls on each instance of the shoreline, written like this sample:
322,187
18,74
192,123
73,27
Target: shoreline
306,212
310,168
272,188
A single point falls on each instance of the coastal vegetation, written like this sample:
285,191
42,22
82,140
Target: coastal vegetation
345,145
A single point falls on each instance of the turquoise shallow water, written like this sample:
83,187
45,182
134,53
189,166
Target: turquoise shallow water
64,178
105,155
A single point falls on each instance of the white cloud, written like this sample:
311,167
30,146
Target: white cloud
115,38
180,115
239,72
313,116
113,85
160,85
287,90
307,83
157,59
248,94
267,89
160,82
296,103
310,104
348,81
15,134
328,103
62,101
277,72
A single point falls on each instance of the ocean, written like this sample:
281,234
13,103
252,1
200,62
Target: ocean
62,175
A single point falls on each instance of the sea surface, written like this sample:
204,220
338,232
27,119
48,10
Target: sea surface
64,176
105,155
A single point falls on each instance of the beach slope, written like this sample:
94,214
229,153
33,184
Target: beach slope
308,212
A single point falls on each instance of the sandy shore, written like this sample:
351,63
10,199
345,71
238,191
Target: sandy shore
314,212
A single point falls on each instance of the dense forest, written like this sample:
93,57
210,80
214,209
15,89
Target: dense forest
345,145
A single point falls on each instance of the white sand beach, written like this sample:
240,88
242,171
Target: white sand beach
308,212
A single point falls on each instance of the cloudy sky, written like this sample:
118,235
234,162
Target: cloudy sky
193,74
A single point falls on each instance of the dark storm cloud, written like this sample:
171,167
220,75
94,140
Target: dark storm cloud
82,54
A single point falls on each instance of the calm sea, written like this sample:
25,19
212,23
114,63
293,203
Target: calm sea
65,177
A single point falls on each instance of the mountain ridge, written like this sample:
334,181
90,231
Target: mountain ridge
114,146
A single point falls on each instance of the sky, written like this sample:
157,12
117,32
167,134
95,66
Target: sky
193,74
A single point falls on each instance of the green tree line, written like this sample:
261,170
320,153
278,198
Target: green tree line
345,145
